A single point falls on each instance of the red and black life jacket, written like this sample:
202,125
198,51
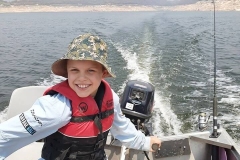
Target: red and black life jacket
84,137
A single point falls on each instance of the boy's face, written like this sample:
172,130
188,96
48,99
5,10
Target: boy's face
84,77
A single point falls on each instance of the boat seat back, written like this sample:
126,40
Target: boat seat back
23,98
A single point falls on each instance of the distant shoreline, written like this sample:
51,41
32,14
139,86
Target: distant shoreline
199,6
67,8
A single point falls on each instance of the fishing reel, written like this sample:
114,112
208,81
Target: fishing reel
203,121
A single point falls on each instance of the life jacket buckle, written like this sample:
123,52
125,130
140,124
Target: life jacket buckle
99,115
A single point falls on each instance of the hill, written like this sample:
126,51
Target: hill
100,2
114,5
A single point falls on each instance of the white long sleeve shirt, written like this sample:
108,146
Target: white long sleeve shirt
49,113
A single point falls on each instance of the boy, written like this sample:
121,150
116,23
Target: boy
75,116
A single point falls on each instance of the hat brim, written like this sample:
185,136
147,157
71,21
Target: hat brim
59,68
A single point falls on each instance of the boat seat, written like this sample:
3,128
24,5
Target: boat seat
23,98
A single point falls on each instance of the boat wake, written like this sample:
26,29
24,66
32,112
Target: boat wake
165,121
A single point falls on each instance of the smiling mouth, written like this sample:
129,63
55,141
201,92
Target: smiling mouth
83,86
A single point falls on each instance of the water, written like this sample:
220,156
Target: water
172,50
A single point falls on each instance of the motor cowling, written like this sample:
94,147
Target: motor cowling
137,101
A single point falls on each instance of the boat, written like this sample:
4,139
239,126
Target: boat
137,103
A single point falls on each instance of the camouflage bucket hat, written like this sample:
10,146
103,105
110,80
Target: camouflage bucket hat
84,47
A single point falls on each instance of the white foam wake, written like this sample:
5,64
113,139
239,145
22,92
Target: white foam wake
162,109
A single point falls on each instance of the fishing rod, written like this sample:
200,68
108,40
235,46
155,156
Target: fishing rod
215,133
203,119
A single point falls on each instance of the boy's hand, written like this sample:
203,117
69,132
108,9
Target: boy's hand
154,140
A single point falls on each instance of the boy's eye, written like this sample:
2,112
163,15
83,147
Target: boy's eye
91,70
74,70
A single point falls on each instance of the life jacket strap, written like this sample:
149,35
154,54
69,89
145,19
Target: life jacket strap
102,115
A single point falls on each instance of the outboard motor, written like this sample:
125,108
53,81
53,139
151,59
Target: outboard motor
137,102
